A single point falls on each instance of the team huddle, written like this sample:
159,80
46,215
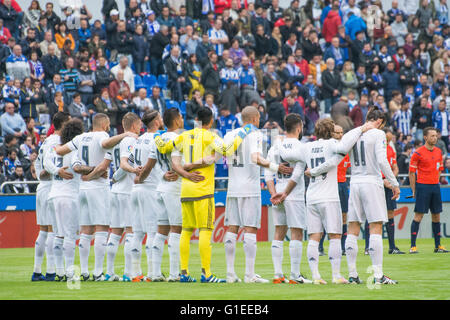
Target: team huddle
163,188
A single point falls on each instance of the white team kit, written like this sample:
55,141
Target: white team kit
95,194
44,214
169,192
243,205
144,197
61,196
368,159
121,214
292,212
322,196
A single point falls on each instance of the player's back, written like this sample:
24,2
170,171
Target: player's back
365,156
275,155
322,188
243,174
48,144
126,147
90,151
144,148
164,161
196,145
65,187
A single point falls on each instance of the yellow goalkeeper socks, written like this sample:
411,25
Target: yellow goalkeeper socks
205,250
185,242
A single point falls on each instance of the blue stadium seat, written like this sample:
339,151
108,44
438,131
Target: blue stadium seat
172,104
149,81
183,108
138,84
162,81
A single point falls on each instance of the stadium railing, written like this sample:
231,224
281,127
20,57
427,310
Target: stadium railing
220,183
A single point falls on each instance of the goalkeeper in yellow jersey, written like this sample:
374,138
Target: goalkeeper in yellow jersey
197,187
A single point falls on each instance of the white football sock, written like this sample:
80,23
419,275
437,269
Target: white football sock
277,258
295,252
100,251
59,256
69,252
49,252
111,251
230,251
138,237
157,253
84,247
250,254
127,252
148,251
312,252
334,255
174,254
351,251
39,251
376,253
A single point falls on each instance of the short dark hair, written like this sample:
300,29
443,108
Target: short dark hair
170,115
291,121
71,129
204,115
428,129
59,119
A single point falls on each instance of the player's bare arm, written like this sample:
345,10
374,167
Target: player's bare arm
194,176
98,171
112,141
146,170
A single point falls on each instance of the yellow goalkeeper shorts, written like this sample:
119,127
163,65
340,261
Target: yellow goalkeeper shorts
198,213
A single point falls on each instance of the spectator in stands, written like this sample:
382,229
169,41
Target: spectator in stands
17,65
11,122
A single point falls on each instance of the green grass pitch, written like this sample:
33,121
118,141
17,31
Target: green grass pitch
422,276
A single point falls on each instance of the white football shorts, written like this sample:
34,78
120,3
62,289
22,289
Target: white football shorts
291,213
144,204
95,207
367,201
324,216
67,216
121,214
243,212
169,212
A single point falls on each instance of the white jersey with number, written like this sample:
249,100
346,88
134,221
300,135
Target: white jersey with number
48,145
89,149
63,187
244,176
368,158
145,148
323,187
274,155
165,163
124,149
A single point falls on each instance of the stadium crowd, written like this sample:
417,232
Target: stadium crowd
321,59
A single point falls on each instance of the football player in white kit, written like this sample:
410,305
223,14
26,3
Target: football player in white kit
144,199
63,203
292,212
169,210
367,199
322,196
44,214
121,213
95,214
243,205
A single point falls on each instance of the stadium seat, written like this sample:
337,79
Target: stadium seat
149,81
172,104
162,81
138,84
183,108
